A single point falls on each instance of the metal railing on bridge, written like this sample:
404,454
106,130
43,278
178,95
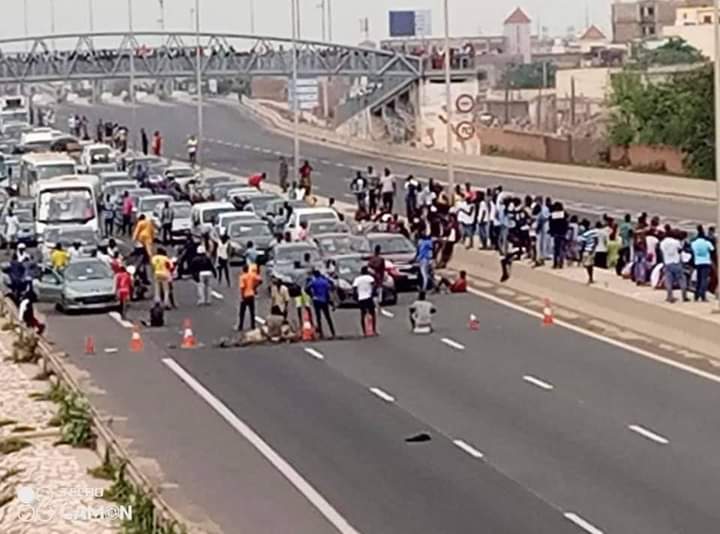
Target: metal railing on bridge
157,55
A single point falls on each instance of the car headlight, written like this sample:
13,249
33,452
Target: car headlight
71,294
344,285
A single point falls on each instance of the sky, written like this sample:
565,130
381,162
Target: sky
467,17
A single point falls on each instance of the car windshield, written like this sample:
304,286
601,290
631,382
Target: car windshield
349,266
209,216
66,205
324,227
45,172
393,245
86,270
69,236
148,205
342,245
181,173
321,216
261,204
113,189
296,253
25,216
240,229
181,211
100,155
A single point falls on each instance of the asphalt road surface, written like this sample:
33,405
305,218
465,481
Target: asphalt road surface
531,428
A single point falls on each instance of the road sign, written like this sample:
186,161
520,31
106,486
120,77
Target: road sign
308,93
465,130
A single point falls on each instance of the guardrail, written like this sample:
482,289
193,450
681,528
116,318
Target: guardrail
107,444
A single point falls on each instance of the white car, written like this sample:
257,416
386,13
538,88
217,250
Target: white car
97,158
148,204
182,220
301,215
204,215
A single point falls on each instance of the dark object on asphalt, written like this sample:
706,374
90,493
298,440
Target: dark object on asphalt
419,438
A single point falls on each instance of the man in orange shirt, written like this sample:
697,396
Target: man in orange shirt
248,284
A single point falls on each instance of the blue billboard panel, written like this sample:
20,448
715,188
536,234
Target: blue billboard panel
402,23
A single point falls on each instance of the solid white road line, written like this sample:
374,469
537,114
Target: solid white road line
452,343
537,382
472,451
315,354
384,396
652,436
599,337
217,295
303,486
122,322
583,524
387,313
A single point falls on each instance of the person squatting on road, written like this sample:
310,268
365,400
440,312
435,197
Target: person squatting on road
248,283
203,271
421,312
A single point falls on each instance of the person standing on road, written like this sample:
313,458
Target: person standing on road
412,189
424,257
203,271
671,248
12,227
192,149
166,222
319,287
127,211
248,283
589,240
283,172
558,232
123,289
144,141
108,211
145,233
373,190
626,237
161,271
359,189
702,250
363,287
157,143
222,254
377,265
279,298
387,190
305,173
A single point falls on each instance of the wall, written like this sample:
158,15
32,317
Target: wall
592,83
649,158
518,40
701,37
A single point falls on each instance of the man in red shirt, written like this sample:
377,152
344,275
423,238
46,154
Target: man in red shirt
123,288
257,179
157,144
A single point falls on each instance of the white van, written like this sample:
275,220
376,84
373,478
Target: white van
308,214
43,166
65,201
205,214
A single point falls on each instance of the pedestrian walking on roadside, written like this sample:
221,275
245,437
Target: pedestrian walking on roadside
166,222
625,230
12,227
702,250
222,253
144,141
359,189
126,210
320,287
671,249
364,286
283,172
157,143
248,283
305,173
203,271
589,240
387,190
466,215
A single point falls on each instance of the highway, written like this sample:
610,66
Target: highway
531,428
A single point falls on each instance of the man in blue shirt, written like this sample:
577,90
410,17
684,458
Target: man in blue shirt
702,250
424,256
319,287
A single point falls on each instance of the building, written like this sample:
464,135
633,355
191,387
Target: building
642,19
591,38
516,30
694,24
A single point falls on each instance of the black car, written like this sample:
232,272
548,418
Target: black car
347,269
399,254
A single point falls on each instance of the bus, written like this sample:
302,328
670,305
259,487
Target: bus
14,109
38,167
66,200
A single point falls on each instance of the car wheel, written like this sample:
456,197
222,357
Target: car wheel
59,307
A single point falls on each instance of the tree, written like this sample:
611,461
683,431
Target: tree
676,113
529,76
675,51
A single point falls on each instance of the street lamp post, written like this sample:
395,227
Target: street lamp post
716,68
131,90
26,23
198,82
323,20
91,17
448,104
296,114
52,22
252,17
162,14
329,19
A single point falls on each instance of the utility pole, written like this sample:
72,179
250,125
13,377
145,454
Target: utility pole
131,49
296,115
198,81
26,23
572,101
162,14
252,16
330,20
52,22
716,20
448,104
91,18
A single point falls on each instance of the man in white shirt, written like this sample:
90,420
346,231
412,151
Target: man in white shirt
12,227
671,249
364,288
387,190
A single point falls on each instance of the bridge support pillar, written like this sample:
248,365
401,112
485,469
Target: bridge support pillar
97,89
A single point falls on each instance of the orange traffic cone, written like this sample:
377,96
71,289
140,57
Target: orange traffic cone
308,330
473,322
136,342
89,345
188,340
548,318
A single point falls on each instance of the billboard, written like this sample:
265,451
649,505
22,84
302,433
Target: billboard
416,23
308,93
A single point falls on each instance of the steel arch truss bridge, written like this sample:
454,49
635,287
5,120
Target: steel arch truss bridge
155,55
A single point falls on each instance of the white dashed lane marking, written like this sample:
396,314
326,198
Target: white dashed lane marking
582,523
452,343
217,295
382,394
472,451
649,434
537,382
314,353
122,322
387,313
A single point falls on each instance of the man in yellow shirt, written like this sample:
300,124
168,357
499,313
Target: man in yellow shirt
59,257
145,234
161,270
